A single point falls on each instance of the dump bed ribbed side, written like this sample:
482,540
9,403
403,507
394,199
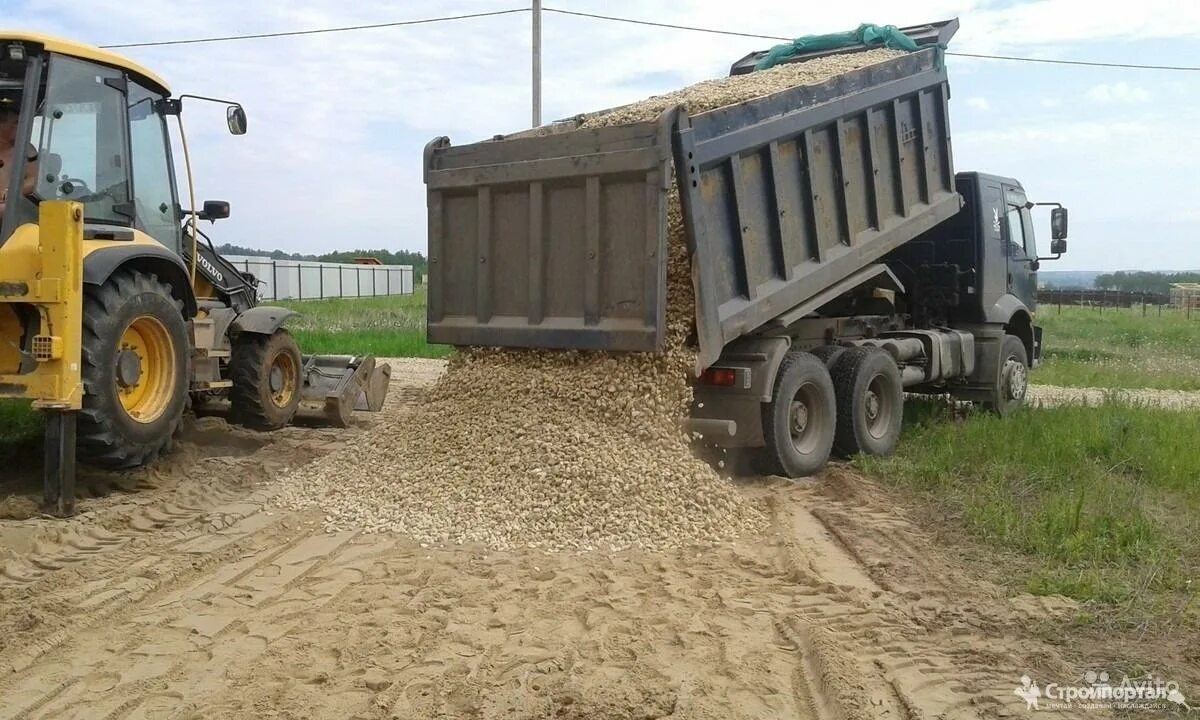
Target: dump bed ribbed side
788,194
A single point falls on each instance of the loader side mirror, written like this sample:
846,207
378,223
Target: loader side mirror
1058,224
214,210
1058,246
235,116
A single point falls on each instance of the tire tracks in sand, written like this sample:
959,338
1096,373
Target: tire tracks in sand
217,607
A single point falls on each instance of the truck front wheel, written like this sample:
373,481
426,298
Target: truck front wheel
870,402
1012,378
798,422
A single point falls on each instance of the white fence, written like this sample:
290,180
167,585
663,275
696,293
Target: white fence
307,280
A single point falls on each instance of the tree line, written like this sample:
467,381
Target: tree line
387,257
1143,280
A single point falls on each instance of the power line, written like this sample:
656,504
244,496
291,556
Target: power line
714,31
631,21
1088,63
317,31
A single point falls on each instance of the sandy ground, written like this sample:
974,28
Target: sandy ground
194,597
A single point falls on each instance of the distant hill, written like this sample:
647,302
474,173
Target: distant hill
1124,280
1078,279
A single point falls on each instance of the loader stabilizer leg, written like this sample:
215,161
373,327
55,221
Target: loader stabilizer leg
58,483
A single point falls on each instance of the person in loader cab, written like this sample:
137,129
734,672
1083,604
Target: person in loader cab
10,111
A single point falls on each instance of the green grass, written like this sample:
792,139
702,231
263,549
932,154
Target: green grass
385,326
20,427
1099,504
1085,347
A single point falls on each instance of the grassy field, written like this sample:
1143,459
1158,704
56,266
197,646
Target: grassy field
385,326
19,427
1098,504
1120,348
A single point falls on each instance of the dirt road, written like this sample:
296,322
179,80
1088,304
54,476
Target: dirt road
195,597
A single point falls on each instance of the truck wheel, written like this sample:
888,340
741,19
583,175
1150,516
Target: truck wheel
798,422
1012,378
828,354
265,370
135,371
870,402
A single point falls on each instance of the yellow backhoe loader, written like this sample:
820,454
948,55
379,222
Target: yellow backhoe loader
115,309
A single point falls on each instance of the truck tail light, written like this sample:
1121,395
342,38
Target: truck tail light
719,376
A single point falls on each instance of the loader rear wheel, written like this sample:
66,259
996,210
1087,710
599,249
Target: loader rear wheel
135,371
798,422
265,370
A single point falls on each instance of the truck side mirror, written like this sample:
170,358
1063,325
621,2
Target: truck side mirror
235,116
1058,224
1058,246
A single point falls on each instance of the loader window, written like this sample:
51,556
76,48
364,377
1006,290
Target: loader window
154,201
83,128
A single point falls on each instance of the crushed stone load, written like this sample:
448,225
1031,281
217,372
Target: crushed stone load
553,449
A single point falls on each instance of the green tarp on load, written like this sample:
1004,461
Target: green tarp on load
866,35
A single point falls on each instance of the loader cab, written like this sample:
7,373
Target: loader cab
98,137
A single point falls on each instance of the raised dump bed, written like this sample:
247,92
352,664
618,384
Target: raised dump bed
557,238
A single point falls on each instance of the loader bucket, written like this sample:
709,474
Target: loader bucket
341,384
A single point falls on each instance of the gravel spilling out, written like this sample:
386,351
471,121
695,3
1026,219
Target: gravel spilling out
561,450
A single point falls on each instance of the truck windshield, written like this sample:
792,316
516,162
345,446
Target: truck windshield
81,140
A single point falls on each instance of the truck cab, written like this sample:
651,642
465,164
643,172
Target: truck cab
980,267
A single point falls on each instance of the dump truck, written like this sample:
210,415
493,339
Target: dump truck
116,311
838,260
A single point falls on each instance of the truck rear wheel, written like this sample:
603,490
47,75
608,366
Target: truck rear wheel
828,354
1012,378
265,370
135,371
870,402
798,422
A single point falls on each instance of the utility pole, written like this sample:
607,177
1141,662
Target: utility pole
537,62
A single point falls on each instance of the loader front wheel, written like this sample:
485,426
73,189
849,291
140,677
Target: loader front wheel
135,371
265,370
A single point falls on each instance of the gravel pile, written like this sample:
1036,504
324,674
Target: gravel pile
562,450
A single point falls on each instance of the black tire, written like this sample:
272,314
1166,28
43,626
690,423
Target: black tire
136,356
1012,378
265,370
828,354
798,422
870,402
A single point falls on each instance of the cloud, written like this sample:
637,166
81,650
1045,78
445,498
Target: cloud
979,103
1120,92
1047,22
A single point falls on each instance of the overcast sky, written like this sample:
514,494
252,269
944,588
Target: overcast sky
338,121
